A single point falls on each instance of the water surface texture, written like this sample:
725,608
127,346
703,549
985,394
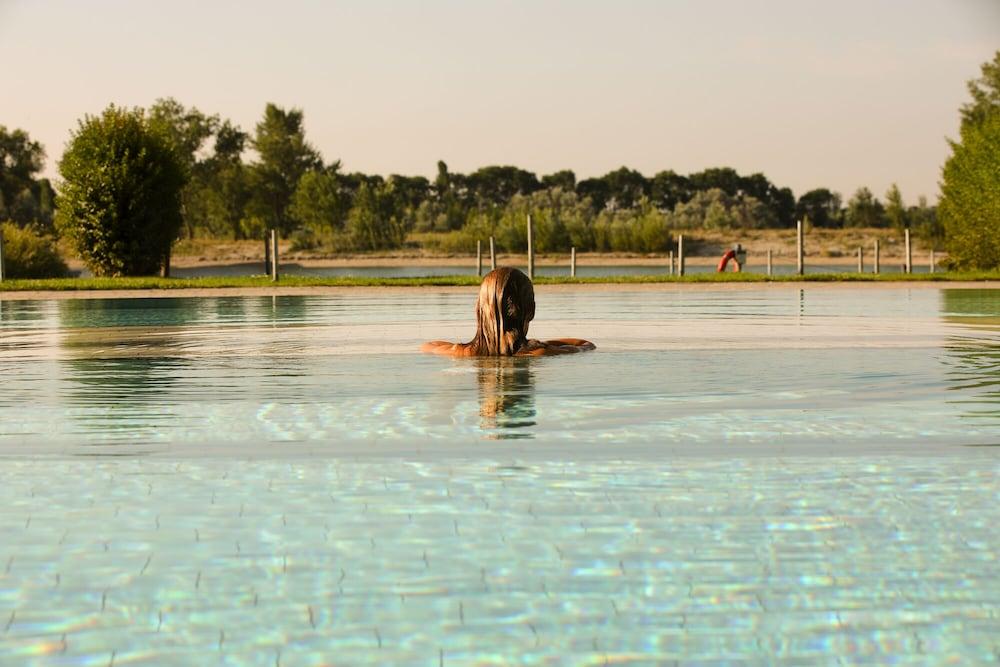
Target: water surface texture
741,475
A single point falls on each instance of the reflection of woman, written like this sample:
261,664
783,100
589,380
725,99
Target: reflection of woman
505,307
506,397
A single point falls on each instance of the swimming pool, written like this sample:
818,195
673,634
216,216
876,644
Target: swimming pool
751,474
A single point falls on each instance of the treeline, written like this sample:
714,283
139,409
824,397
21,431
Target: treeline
288,185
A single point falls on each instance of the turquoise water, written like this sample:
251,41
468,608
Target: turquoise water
751,475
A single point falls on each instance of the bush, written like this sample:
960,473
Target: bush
29,254
120,201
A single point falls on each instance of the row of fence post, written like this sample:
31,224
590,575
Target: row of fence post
271,255
678,267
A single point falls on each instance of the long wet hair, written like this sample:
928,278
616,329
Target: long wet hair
505,307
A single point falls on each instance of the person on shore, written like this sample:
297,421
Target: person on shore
505,307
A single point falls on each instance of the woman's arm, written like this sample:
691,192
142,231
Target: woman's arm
444,347
541,348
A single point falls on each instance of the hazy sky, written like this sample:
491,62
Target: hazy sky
810,92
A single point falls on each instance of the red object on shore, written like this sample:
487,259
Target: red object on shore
730,254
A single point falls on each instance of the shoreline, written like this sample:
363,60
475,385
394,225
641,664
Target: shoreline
329,290
582,259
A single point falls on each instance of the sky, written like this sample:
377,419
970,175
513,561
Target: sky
811,93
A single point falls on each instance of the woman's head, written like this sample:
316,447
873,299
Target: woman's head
505,307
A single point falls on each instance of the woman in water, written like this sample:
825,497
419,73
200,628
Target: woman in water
505,307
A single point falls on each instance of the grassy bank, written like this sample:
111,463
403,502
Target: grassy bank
151,283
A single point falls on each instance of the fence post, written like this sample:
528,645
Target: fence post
876,257
861,260
909,253
933,263
770,267
572,262
479,257
493,255
267,252
680,255
1,254
274,255
531,251
800,247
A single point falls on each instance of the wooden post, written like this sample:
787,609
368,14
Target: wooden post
909,254
531,251
800,248
1,255
876,256
680,254
479,257
770,266
572,262
267,252
671,262
493,255
274,254
933,263
861,260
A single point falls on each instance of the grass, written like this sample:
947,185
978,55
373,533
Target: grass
149,283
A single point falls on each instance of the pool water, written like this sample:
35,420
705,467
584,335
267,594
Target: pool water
741,475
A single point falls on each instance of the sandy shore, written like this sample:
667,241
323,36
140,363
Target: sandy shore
279,290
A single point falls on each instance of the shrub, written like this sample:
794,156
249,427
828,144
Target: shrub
29,254
120,201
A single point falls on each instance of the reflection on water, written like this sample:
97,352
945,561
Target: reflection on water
674,368
974,361
506,397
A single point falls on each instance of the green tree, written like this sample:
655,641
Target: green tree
864,210
120,199
285,156
970,196
596,191
219,188
926,224
23,199
714,209
228,181
564,179
319,204
187,131
495,186
668,189
985,92
373,223
780,201
821,206
895,210
447,211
